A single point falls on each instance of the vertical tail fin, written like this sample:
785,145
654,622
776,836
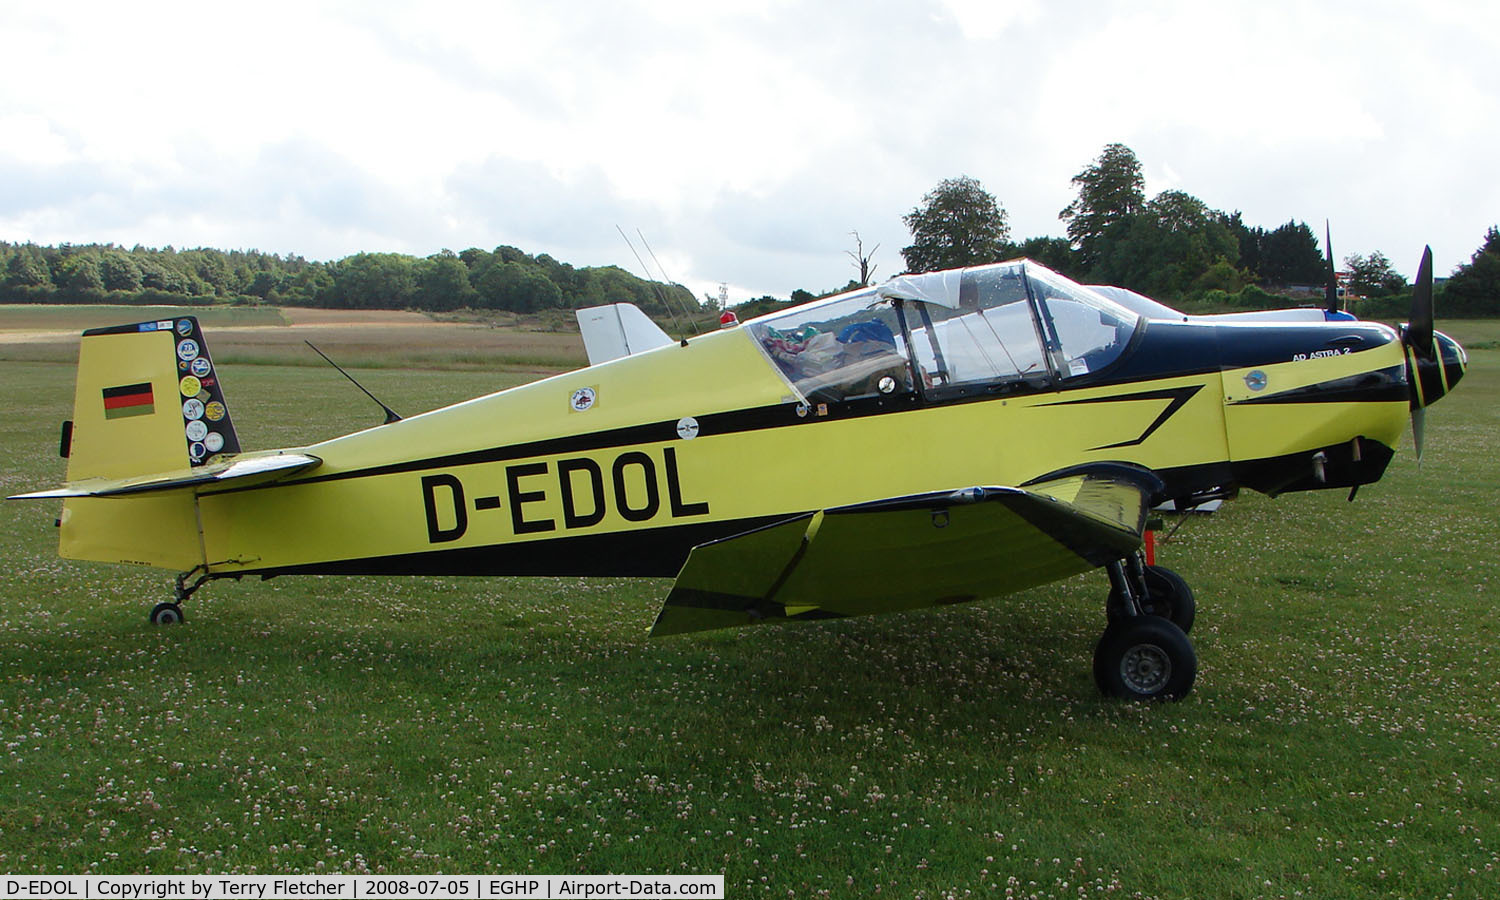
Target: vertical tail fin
148,399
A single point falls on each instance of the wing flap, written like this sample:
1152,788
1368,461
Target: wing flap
909,552
242,470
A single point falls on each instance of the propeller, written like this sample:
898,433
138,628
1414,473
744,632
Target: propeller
1418,429
1418,336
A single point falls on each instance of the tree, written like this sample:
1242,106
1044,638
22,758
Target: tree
1169,249
209,267
376,281
1110,191
1290,255
958,224
1053,252
862,259
265,283
1372,276
27,268
444,284
1249,239
313,286
1474,289
517,287
80,272
475,258
70,273
119,271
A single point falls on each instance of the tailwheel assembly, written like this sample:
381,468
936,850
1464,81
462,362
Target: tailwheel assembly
168,613
186,585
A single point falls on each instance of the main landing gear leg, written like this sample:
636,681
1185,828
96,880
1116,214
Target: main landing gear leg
1145,653
170,612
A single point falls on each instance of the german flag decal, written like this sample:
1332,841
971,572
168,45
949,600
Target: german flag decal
128,400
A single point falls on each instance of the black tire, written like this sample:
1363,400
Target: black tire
1168,596
1145,658
166,614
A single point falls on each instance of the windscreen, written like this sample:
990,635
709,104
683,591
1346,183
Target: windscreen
1084,332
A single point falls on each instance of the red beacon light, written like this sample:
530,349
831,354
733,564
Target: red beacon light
728,319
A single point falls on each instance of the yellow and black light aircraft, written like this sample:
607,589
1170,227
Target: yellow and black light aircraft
938,438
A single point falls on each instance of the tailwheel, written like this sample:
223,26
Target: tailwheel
186,585
1145,658
168,613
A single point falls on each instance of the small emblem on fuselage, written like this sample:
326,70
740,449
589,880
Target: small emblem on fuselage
687,428
583,398
1256,380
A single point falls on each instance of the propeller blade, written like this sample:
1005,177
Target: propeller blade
1418,430
1331,294
1419,330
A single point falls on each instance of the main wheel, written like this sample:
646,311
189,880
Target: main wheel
1145,658
1168,596
166,614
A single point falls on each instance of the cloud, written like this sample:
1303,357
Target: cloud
745,139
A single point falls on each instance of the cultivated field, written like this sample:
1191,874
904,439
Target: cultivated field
386,339
1342,739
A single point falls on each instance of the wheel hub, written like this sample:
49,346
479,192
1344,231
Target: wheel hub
1146,668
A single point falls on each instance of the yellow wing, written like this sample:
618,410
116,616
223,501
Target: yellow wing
914,551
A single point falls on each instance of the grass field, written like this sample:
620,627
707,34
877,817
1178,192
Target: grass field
1342,739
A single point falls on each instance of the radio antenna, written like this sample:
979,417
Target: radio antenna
390,414
664,276
660,295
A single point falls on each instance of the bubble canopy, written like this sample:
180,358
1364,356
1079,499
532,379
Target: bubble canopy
947,334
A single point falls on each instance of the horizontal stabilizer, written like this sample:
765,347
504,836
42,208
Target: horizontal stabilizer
243,470
618,330
909,552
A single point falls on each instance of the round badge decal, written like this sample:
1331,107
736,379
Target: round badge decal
583,399
192,408
213,442
187,350
200,366
190,386
196,430
213,411
184,327
1256,380
687,428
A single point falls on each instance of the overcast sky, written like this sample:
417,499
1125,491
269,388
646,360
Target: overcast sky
744,140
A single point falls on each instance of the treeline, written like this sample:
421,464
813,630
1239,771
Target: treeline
1175,248
504,279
